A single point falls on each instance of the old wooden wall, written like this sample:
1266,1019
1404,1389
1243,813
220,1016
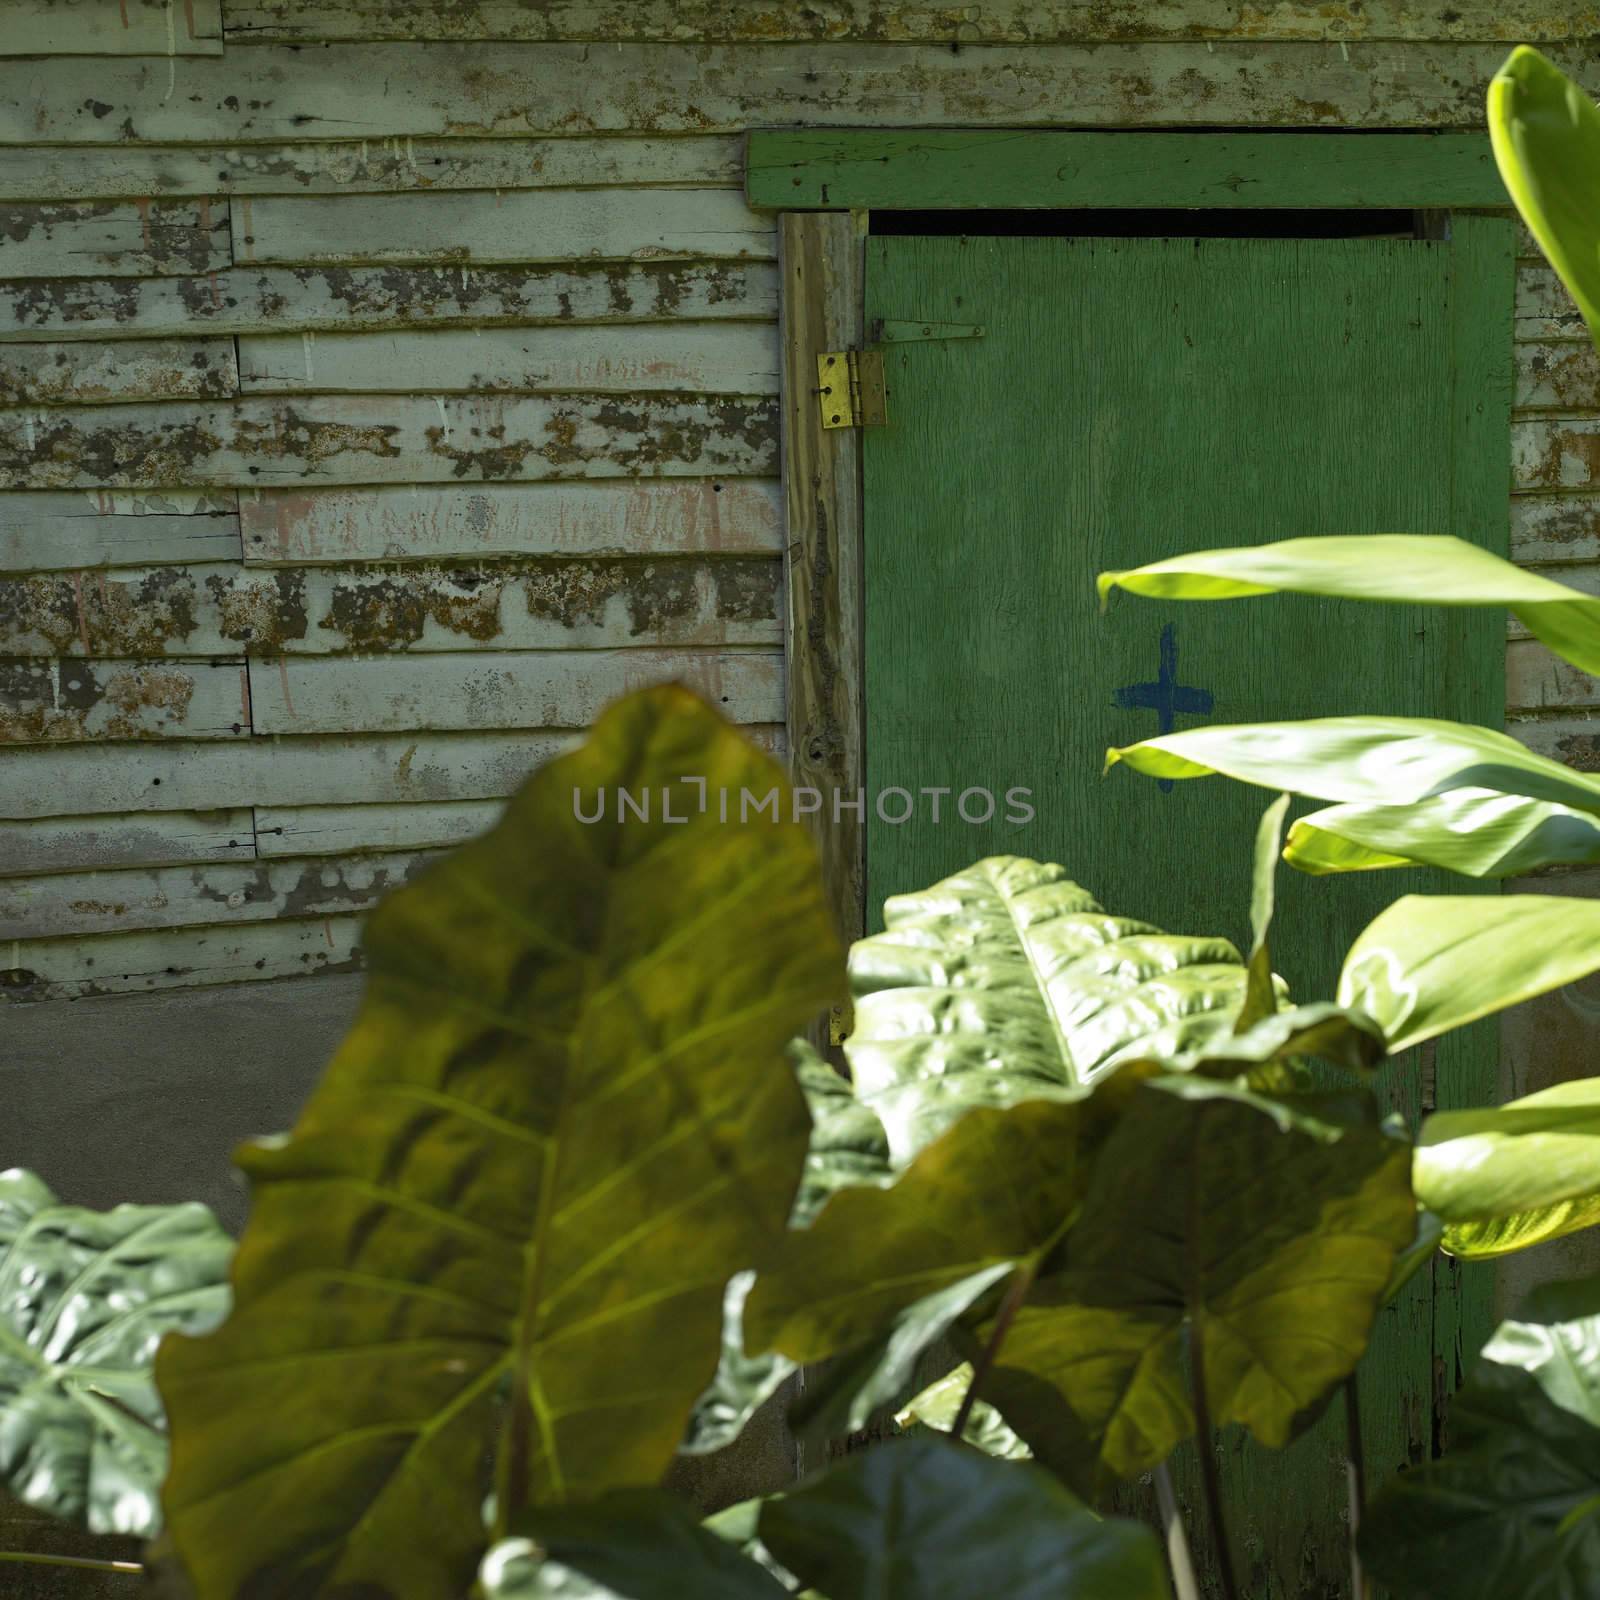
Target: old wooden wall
384,384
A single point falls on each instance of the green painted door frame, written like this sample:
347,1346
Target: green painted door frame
916,646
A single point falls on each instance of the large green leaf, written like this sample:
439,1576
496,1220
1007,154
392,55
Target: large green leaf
1386,761
1430,963
1511,1176
1545,133
1269,1227
1479,833
85,1298
1405,568
562,1120
938,1406
1513,1507
927,1519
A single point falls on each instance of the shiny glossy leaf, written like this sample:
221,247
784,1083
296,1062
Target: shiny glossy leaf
1514,1175
1008,982
938,1406
1479,833
85,1298
1405,568
926,1519
562,1119
848,1147
1269,1226
1430,963
1545,133
1261,998
1386,761
741,1385
1513,1506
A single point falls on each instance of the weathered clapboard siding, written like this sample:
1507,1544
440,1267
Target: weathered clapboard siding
156,839
996,21
1555,376
117,238
99,28
510,604
279,94
552,689
1539,680
1555,452
108,528
45,701
63,372
1544,309
129,963
338,830
384,439
515,225
368,166
641,516
62,780
693,357
82,904
344,299
1573,738
1555,527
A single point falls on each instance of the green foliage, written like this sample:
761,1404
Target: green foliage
1545,133
938,1406
507,1215
1507,1177
1513,1507
85,1297
926,1519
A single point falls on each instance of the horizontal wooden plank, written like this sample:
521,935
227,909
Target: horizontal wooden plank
348,299
278,94
1573,739
890,169
1544,309
640,516
106,528
132,963
82,904
1555,453
1555,527
1014,21
1557,376
45,701
155,839
338,830
691,357
509,604
367,166
384,439
112,28
62,372
545,689
1539,680
377,769
117,238
505,225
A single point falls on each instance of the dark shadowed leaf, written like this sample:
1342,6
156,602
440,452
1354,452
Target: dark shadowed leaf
1511,1176
1513,1506
85,1298
562,1119
1270,1226
923,1518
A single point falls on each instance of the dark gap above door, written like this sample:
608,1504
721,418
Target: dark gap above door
1165,224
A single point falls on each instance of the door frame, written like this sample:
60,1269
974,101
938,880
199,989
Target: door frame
825,183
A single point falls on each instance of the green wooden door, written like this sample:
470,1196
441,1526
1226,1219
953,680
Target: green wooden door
1128,399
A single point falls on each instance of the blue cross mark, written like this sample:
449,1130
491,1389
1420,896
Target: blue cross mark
1166,696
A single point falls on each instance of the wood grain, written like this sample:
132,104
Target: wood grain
66,373
121,238
112,28
107,528
54,701
334,830
154,839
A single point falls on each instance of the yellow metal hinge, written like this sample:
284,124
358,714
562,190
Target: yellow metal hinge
850,389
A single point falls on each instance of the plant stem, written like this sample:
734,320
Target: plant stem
1208,1460
1356,1466
1016,1293
1184,1582
85,1563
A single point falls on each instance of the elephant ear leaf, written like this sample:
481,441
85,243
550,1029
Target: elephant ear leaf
1507,1177
924,1516
1511,1508
85,1298
562,1119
